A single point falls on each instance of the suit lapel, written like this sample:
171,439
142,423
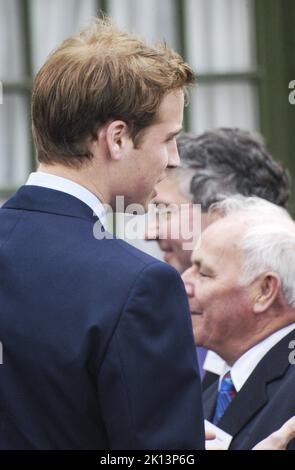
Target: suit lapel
209,400
253,395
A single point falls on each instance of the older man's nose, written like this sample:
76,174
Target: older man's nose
189,286
189,289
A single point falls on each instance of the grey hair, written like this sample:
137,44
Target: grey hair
228,161
268,243
253,205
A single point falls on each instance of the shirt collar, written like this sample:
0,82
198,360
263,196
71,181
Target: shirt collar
67,186
215,364
245,365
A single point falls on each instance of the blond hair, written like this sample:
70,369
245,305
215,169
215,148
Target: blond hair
96,76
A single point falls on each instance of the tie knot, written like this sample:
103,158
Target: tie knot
227,383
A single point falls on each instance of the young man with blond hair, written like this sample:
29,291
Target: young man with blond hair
98,348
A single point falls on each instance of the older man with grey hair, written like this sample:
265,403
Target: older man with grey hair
242,295
219,162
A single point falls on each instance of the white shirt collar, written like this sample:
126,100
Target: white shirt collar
244,366
215,364
67,186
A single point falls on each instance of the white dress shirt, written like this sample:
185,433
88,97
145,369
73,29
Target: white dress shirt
215,364
244,366
67,186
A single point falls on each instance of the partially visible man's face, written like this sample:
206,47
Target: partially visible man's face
146,165
169,221
220,306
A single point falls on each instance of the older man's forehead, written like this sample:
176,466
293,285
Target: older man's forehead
228,227
218,239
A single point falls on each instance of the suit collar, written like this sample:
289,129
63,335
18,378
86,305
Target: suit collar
253,395
65,185
39,199
246,364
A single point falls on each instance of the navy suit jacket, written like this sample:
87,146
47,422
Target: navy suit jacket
264,403
98,350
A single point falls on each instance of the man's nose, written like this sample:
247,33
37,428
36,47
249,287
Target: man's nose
188,284
173,160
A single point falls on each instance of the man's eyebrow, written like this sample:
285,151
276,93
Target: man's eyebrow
199,263
173,134
196,262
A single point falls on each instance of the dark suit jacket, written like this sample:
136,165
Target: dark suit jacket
97,340
263,404
208,379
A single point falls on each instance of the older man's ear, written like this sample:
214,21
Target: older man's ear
267,292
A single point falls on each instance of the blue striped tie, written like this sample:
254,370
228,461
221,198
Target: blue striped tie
226,394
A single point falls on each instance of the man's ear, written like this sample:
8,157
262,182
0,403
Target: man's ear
118,139
267,291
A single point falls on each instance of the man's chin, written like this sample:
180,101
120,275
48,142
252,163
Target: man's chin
196,319
198,339
170,258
